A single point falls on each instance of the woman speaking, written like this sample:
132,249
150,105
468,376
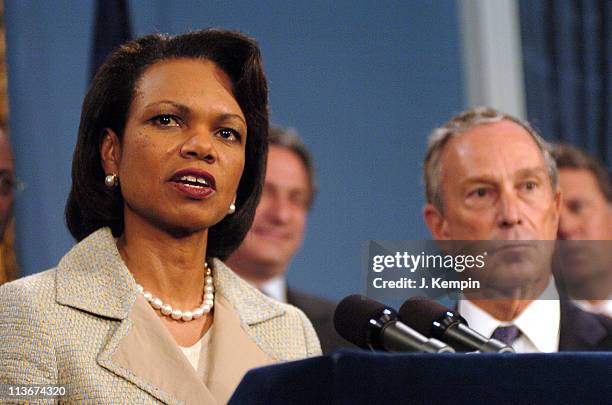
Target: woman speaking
167,172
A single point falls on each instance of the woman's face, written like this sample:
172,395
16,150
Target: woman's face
182,153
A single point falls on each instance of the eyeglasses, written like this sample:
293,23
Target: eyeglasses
8,183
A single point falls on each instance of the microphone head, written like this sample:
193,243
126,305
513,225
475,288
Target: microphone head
352,319
420,313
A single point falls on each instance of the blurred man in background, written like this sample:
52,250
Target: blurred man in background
278,232
490,177
8,268
584,264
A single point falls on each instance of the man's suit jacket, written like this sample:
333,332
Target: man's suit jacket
321,313
84,325
583,331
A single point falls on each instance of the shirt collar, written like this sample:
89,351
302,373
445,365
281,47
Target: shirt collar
538,323
602,307
275,288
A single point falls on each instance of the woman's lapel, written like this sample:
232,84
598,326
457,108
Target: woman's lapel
93,278
148,356
232,352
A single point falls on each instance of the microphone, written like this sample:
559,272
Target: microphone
432,319
372,325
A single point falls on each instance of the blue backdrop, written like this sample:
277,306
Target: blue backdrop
363,83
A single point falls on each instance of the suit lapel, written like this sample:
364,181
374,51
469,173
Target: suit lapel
579,330
149,357
93,278
253,306
234,350
232,353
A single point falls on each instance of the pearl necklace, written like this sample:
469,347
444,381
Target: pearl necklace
177,314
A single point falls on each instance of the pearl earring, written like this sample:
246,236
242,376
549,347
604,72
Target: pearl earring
232,208
111,180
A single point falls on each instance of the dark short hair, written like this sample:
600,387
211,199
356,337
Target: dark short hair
288,138
568,156
91,205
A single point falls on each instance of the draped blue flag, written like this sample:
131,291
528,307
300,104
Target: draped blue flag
112,28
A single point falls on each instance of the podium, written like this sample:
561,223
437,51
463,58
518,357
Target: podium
353,377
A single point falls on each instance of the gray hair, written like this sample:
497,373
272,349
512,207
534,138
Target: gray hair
288,138
458,125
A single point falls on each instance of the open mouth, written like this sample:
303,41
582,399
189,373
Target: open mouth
194,183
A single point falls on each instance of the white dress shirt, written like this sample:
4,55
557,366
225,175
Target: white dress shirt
603,307
275,288
193,352
538,323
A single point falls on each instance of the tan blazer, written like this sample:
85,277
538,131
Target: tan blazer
82,324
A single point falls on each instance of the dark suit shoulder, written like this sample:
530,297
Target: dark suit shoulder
583,331
320,311
312,305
